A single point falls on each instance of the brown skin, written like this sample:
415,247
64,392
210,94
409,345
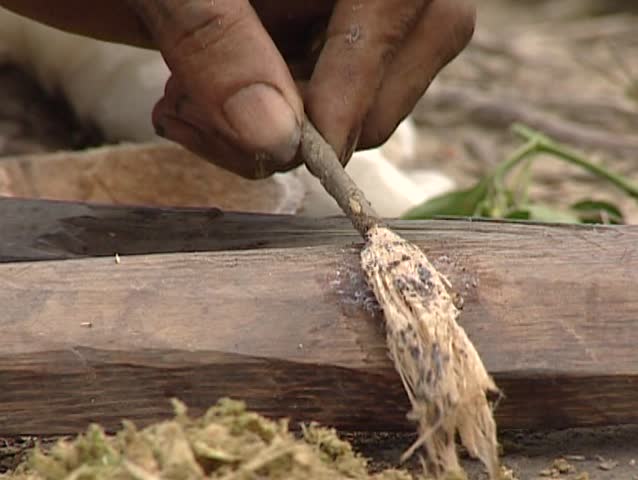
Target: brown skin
355,67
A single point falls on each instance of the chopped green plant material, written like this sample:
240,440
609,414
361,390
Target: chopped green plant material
228,442
492,197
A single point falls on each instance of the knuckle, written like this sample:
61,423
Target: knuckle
379,27
209,32
198,25
396,26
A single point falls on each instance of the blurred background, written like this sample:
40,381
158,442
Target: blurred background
566,68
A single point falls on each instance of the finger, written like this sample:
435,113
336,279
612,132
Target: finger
293,25
361,39
181,132
444,29
212,148
177,103
224,58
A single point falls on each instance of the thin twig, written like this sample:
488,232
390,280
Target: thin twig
323,163
433,355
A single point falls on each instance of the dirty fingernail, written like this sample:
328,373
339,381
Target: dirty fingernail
264,122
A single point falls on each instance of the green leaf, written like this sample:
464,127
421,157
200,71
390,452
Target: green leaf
460,203
598,211
542,213
519,214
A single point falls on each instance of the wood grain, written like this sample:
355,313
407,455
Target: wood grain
277,313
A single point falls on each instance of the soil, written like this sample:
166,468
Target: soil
603,453
571,60
609,453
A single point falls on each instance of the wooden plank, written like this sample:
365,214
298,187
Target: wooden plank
294,331
46,230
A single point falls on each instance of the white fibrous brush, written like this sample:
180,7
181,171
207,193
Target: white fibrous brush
443,375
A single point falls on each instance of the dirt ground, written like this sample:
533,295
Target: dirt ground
577,454
567,67
609,453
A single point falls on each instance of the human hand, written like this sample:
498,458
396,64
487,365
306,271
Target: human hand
242,75
245,73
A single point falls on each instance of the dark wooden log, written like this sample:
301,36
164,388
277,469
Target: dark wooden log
47,230
292,328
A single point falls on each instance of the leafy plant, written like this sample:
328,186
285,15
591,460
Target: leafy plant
491,196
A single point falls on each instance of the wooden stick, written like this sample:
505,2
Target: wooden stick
293,330
442,373
323,163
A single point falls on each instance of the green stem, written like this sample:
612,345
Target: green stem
496,189
518,156
545,144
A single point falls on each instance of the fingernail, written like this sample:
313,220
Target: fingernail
264,122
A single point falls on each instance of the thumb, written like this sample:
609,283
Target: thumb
231,69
